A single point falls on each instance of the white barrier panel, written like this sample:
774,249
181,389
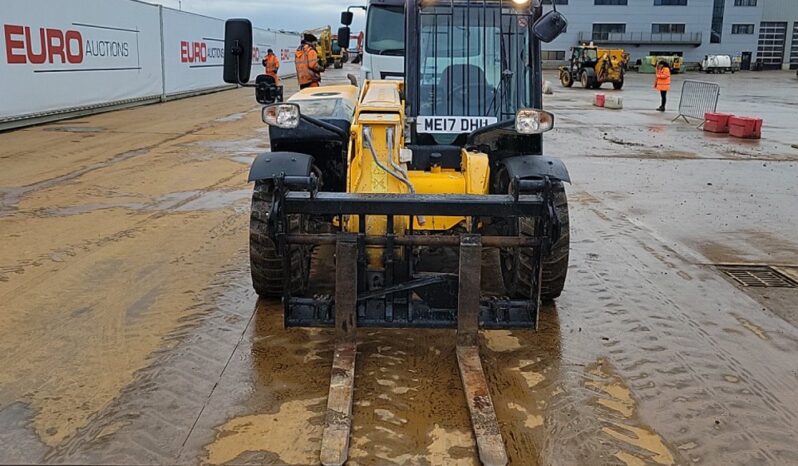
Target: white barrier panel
193,51
282,43
68,54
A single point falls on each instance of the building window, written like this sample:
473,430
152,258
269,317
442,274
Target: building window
602,31
610,2
670,2
742,28
667,28
558,2
745,3
716,32
553,55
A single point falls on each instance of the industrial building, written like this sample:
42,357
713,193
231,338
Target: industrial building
758,33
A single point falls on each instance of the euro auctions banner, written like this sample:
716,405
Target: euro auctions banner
68,54
193,51
58,56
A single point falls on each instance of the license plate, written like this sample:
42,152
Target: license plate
451,124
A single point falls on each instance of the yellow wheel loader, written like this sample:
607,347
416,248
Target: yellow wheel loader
330,54
407,182
592,67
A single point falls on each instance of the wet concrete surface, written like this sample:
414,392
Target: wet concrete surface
129,333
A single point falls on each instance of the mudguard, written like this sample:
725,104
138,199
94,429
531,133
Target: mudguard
530,166
270,165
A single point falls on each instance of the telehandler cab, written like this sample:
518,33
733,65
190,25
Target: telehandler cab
394,172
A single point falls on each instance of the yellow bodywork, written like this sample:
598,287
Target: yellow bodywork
324,43
611,63
380,114
346,92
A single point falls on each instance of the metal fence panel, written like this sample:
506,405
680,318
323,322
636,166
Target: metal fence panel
698,98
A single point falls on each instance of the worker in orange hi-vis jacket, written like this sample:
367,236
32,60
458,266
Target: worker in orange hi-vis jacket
272,65
306,60
662,82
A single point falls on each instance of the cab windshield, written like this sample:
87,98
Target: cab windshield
474,61
589,54
385,30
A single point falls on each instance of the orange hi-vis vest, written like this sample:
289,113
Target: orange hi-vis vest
306,61
272,64
663,79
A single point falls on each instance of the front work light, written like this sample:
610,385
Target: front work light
281,115
532,121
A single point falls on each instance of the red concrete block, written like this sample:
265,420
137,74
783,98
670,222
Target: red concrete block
600,99
715,122
745,127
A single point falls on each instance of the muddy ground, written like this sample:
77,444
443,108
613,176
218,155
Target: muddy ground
129,333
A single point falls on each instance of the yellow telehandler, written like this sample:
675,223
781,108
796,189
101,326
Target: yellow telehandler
593,66
450,159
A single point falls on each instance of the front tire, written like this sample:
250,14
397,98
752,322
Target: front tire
518,278
617,85
267,267
566,79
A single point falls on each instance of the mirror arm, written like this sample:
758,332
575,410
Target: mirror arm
237,51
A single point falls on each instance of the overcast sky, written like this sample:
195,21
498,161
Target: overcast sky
295,15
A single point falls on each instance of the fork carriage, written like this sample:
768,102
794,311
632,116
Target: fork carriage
399,295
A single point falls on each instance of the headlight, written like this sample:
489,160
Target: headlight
281,115
532,121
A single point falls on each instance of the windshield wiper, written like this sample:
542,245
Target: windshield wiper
392,52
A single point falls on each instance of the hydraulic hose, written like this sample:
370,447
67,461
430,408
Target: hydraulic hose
399,176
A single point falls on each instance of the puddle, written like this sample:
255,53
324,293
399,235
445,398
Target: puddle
239,147
76,129
214,200
301,418
753,328
185,201
636,443
11,196
231,118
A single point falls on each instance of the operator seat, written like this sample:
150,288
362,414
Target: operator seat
465,89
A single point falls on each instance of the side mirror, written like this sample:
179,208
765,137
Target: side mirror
549,26
237,51
343,37
346,17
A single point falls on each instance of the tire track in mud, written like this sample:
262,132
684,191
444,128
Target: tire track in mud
152,416
691,377
784,342
88,247
269,405
10,197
